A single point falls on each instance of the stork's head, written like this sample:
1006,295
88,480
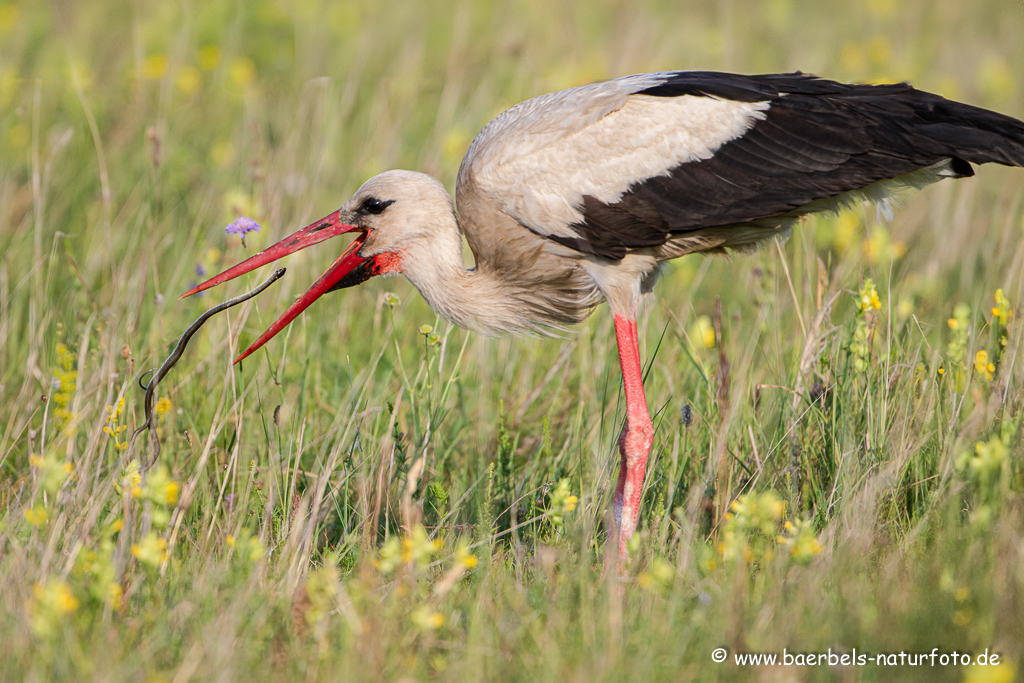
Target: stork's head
392,213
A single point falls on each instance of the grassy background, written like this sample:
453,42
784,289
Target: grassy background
281,536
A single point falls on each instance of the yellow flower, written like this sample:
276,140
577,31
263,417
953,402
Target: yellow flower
982,366
131,480
416,549
868,297
879,247
153,67
66,602
151,551
703,332
750,531
246,546
464,557
171,491
561,502
426,618
861,342
956,350
51,473
802,541
987,460
65,379
159,487
163,406
50,603
113,427
1002,310
36,516
115,595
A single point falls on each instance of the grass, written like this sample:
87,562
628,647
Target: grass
361,500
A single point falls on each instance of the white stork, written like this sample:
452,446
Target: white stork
579,195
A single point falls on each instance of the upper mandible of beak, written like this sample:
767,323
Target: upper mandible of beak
323,229
349,263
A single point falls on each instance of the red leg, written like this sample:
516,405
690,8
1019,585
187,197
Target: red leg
637,434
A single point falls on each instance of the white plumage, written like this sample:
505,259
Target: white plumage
541,171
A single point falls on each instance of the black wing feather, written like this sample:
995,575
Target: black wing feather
819,139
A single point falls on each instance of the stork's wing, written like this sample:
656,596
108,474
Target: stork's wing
630,163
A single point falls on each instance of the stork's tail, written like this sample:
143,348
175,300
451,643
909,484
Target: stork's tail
963,132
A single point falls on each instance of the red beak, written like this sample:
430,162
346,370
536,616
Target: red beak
349,269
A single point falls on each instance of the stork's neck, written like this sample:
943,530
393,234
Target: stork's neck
472,299
487,299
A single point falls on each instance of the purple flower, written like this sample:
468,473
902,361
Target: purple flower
242,226
200,271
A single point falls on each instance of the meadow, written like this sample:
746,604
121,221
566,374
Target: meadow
376,495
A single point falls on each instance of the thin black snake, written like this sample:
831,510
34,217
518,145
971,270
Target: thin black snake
176,356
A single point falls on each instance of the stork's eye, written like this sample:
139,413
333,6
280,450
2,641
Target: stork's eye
372,205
